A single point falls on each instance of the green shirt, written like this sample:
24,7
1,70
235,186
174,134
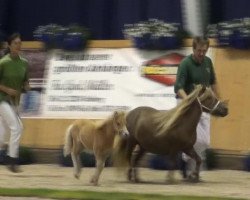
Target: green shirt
191,73
13,74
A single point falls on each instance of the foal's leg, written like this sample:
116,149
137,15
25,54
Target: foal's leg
134,161
76,159
76,164
194,176
100,163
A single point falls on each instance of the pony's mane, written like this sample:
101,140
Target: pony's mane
166,120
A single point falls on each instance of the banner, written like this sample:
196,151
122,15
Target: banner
95,82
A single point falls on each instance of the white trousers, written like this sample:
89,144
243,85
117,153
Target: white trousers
203,136
10,123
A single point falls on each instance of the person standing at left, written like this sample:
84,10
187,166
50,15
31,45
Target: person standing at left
13,80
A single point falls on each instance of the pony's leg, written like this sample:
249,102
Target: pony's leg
100,163
194,176
172,159
129,148
134,161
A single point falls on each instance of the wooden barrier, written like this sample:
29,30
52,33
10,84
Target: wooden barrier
228,134
233,72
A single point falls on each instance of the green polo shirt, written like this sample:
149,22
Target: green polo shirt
13,74
191,73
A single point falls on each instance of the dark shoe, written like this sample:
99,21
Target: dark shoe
12,165
2,156
183,167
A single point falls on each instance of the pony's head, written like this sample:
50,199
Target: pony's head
119,122
211,104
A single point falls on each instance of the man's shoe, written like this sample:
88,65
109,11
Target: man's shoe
183,168
12,165
2,156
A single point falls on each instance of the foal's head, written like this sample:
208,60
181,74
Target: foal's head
119,122
211,104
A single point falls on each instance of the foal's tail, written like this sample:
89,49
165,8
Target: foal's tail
68,142
120,154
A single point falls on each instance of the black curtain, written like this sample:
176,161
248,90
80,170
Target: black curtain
105,18
225,10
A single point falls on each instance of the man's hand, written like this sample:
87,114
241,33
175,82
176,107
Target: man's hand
26,86
182,94
11,92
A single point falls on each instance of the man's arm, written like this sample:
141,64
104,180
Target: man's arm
8,90
181,81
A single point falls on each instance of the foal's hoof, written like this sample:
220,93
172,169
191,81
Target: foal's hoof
172,181
76,176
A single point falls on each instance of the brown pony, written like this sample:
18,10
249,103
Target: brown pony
167,132
95,135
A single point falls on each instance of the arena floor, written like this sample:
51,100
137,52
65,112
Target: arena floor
220,183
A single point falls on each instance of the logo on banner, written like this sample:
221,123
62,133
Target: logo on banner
162,69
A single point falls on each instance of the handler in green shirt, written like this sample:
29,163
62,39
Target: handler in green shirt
13,79
195,69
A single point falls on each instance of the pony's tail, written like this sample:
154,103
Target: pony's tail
120,155
68,142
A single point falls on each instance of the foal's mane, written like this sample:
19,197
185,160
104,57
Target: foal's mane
110,120
104,122
166,120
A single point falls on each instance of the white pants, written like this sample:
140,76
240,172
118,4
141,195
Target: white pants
10,123
202,139
203,136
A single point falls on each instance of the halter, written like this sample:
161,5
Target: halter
209,109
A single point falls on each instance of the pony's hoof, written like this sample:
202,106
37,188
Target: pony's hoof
129,176
193,178
137,180
94,181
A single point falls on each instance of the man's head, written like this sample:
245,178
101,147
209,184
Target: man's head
200,47
14,43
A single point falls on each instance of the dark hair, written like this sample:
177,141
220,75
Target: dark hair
9,40
13,37
200,41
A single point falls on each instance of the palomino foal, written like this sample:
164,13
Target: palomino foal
95,135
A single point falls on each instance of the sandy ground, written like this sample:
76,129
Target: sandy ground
221,183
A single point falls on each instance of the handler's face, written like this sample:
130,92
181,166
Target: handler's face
15,46
199,53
